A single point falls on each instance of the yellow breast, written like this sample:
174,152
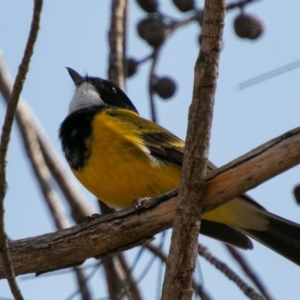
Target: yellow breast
119,169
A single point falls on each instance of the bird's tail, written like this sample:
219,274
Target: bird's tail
242,217
281,235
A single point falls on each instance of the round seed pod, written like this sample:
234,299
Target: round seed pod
149,6
165,87
248,26
153,30
184,5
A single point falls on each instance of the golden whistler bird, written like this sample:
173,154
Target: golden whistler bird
119,157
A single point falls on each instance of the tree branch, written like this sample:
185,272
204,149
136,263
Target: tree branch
252,169
105,236
183,250
116,36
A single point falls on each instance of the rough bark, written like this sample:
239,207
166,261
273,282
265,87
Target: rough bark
128,228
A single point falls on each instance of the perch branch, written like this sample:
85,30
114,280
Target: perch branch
105,236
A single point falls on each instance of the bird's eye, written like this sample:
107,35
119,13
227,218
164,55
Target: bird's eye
110,89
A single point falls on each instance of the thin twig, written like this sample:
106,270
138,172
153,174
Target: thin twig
30,132
82,280
119,277
142,60
152,79
132,286
248,291
163,257
249,272
5,137
183,22
82,284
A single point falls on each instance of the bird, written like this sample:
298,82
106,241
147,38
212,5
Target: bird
119,157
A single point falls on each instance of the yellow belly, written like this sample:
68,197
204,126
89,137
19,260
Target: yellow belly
118,171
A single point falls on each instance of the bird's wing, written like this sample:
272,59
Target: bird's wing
165,146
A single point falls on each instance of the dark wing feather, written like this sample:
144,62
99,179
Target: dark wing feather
165,146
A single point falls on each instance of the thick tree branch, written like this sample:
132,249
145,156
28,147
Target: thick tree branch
183,250
105,236
252,169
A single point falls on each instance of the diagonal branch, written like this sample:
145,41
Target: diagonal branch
249,272
229,273
27,123
34,141
105,236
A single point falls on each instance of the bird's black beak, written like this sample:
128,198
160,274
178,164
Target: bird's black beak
77,78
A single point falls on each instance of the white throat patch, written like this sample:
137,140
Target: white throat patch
85,96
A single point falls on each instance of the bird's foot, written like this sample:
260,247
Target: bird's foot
139,202
90,218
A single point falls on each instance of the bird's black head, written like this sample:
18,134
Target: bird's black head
94,91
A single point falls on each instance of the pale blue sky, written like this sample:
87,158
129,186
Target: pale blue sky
74,34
